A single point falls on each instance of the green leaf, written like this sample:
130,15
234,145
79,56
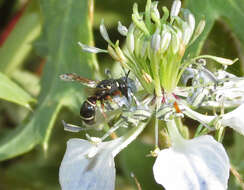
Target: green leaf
231,12
29,80
27,135
10,91
19,42
62,30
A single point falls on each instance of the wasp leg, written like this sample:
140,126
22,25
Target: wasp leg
72,128
129,118
103,111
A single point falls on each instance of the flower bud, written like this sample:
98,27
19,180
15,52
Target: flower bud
91,49
200,28
122,29
104,32
155,41
166,38
175,9
130,41
175,43
155,13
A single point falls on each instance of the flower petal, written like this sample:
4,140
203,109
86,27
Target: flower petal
91,49
235,119
79,170
200,163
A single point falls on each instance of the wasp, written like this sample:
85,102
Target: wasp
111,94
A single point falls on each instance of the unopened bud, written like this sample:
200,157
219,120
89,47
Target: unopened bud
122,29
175,9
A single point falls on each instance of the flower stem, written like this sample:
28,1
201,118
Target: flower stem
174,134
125,140
158,102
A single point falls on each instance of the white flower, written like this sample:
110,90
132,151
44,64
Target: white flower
233,119
197,164
87,166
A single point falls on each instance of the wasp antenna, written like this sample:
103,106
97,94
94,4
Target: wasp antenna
127,75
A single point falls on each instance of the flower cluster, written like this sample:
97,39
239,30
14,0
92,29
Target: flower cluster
154,52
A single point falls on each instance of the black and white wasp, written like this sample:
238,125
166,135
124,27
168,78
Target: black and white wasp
108,97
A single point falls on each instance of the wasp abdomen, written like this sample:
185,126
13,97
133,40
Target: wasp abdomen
88,110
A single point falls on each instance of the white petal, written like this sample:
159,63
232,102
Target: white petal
203,119
91,49
199,164
220,60
235,119
229,94
79,172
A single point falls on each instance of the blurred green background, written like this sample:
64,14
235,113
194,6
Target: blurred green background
38,41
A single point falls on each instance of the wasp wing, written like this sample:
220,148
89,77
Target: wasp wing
77,78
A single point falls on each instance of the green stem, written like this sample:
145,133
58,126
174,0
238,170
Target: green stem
220,134
174,134
125,140
158,102
155,70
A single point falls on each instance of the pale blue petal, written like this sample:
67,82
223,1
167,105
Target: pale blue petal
78,172
198,164
235,119
91,49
